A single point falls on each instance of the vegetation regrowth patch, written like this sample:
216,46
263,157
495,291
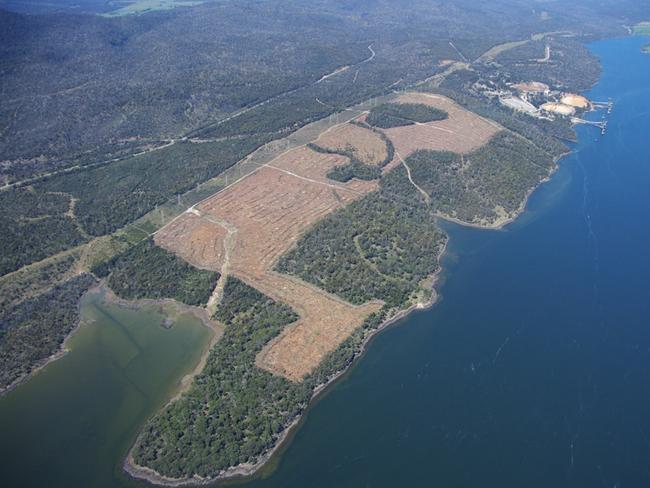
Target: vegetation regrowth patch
399,114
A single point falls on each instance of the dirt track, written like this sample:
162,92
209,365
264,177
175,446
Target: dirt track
270,210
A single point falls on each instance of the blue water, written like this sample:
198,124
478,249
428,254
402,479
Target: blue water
534,369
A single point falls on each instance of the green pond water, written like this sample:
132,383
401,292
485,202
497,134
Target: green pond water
72,423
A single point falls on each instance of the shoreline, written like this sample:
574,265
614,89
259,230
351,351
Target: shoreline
61,352
245,471
177,309
110,298
502,222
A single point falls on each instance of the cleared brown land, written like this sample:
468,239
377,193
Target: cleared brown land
532,87
306,163
462,132
270,210
196,240
310,164
325,322
364,143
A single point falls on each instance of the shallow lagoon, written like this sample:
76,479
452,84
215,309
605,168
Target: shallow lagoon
70,425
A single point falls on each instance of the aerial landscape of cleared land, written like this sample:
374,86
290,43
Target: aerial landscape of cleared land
288,190
271,231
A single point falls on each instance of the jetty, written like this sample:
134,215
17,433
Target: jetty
602,125
609,105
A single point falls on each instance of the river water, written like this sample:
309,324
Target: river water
533,370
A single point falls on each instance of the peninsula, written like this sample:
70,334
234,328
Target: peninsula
288,191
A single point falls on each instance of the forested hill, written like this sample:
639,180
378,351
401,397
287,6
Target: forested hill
77,87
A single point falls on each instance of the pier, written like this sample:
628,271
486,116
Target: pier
602,125
609,105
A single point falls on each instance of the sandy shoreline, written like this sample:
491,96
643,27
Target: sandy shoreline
177,308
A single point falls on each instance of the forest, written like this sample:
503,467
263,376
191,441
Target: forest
390,115
34,329
354,169
34,225
148,271
471,187
571,67
376,248
122,83
233,411
111,196
30,282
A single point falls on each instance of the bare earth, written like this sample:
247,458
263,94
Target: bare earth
305,163
271,209
268,211
365,144
202,241
462,132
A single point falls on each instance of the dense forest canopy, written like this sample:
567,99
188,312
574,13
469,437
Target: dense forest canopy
72,82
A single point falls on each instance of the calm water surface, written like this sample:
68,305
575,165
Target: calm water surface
70,425
534,369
